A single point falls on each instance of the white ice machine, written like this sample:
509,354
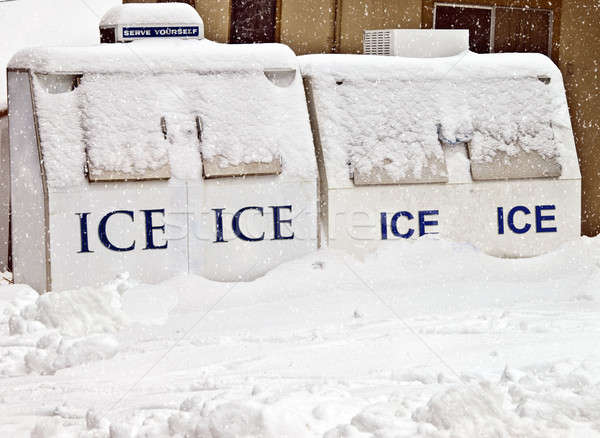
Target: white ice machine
169,154
472,148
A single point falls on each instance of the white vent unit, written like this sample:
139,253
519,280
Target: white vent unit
378,42
416,43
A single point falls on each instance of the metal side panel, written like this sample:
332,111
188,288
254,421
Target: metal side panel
323,190
4,193
513,218
28,195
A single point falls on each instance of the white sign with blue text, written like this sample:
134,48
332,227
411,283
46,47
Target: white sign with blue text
130,33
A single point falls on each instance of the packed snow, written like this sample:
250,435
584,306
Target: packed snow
394,113
427,338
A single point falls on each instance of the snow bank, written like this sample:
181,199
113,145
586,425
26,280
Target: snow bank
80,312
390,113
539,405
61,330
65,329
309,351
26,23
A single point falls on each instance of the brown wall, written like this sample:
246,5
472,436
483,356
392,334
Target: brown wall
580,64
553,5
358,15
307,26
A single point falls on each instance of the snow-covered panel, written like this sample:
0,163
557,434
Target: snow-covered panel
240,228
151,13
369,108
381,128
119,137
511,134
60,131
135,125
27,23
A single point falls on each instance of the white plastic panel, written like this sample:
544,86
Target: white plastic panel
121,143
4,192
521,218
511,160
106,230
28,203
241,228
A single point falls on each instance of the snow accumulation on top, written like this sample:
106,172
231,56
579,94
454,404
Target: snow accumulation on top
155,56
159,13
136,105
26,23
391,113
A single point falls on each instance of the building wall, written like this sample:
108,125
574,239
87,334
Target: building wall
580,64
215,14
359,15
318,26
308,26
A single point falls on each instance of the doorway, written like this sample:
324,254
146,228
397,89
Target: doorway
497,28
253,21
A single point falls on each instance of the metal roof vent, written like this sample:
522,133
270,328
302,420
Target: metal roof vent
135,21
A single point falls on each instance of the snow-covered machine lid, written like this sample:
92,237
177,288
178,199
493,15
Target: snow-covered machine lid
155,55
165,109
133,21
390,118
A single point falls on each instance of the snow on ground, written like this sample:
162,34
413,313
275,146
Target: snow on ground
429,338
26,23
